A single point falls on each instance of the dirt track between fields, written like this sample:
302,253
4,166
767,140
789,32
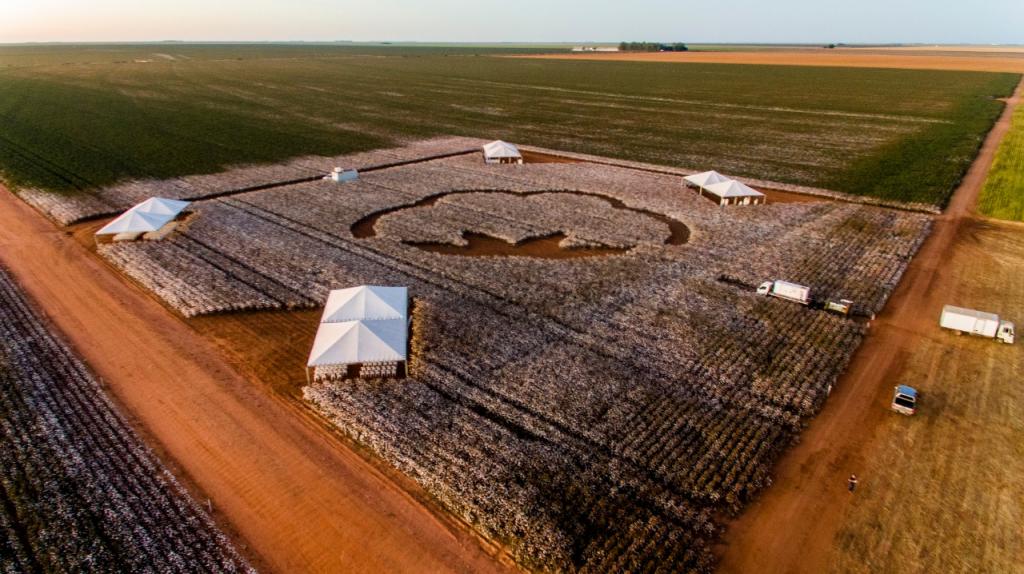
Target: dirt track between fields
972,61
299,499
792,526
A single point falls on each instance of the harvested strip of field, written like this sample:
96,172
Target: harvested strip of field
912,58
900,135
78,489
640,388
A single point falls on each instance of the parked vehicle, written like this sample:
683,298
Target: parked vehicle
786,290
978,323
904,400
841,307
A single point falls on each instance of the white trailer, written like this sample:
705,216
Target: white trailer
786,290
340,175
978,323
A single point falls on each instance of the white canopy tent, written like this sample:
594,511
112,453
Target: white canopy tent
734,193
352,342
502,152
364,332
149,216
133,222
706,178
162,206
367,302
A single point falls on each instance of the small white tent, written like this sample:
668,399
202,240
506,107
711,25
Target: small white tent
356,342
705,179
734,193
367,302
148,216
502,152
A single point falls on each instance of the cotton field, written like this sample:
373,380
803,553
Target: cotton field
560,405
80,491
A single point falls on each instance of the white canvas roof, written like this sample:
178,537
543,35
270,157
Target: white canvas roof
732,188
353,342
150,215
366,302
161,206
499,149
134,222
705,179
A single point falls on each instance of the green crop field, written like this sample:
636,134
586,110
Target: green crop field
75,118
1003,194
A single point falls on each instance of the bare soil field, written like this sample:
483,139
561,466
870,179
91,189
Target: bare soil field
849,436
296,496
906,58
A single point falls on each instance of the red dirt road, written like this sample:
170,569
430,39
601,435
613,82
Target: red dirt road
299,499
792,526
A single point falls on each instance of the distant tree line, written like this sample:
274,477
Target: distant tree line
652,47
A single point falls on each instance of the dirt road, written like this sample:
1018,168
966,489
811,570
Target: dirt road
973,61
791,527
295,495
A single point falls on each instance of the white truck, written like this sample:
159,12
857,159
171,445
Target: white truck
978,323
904,400
786,290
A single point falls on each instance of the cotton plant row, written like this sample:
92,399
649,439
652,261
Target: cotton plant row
79,485
540,498
65,209
186,282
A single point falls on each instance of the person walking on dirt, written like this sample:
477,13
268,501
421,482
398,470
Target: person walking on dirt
851,483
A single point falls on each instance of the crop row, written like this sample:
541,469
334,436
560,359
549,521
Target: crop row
80,491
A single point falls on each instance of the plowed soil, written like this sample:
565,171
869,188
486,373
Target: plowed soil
298,499
965,60
792,526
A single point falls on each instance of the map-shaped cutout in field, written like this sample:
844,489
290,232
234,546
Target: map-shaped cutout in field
543,224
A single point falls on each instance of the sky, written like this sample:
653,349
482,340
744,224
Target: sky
694,21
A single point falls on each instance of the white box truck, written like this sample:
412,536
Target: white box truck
786,290
978,323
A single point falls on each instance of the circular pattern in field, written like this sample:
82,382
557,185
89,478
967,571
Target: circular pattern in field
543,224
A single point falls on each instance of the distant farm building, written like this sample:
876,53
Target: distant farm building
363,333
341,175
595,49
152,219
502,152
724,191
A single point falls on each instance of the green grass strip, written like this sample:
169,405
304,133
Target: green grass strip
1003,194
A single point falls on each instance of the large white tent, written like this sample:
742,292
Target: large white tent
734,193
706,178
367,302
364,332
502,152
148,216
352,342
162,206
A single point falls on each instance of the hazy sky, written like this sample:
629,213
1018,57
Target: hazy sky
866,21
